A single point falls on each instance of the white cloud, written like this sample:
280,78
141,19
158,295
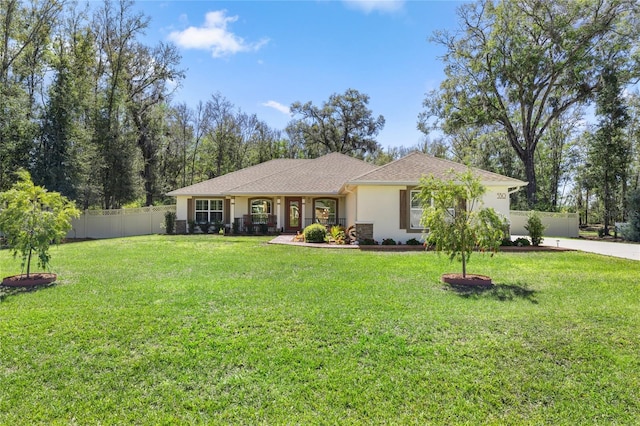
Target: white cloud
215,36
278,106
382,6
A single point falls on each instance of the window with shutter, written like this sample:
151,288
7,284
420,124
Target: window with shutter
403,209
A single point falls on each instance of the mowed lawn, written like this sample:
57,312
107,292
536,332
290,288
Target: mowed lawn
211,329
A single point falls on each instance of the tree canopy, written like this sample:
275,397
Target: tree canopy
523,64
342,124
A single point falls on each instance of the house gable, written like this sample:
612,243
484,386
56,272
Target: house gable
409,169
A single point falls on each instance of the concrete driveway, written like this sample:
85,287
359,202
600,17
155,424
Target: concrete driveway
622,250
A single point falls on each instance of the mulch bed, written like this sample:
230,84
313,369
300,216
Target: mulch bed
470,280
404,247
506,249
35,279
527,249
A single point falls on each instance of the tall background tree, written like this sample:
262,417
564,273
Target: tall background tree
25,32
342,124
609,154
523,64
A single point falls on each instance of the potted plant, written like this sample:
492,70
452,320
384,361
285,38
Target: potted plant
31,219
457,224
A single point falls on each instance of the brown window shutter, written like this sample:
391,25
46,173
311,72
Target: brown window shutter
404,215
190,210
227,211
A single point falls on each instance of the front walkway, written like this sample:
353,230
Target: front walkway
288,240
622,250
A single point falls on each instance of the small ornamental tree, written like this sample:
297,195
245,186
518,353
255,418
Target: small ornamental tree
455,220
31,219
535,228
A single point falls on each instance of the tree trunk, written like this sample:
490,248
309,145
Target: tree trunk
29,263
530,173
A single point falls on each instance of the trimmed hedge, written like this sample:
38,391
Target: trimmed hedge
315,233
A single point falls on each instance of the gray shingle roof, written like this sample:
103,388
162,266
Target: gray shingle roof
328,174
408,170
221,185
324,175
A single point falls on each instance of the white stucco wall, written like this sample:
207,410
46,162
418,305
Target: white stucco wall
181,208
380,205
350,208
498,199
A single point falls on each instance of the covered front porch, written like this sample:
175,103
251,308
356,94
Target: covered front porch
268,224
288,214
263,214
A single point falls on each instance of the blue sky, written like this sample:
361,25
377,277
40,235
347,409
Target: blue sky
265,55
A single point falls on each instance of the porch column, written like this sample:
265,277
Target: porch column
303,216
278,213
232,212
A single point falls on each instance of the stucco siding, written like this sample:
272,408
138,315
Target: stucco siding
497,198
380,205
181,208
350,207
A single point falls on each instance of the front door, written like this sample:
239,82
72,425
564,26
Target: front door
293,214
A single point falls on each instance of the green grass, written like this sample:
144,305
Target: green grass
207,329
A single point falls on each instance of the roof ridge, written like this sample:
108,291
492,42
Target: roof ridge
416,160
386,165
293,166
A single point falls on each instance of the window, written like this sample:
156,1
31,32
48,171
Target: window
209,211
260,210
325,211
415,211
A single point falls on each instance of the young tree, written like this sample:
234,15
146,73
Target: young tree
521,64
456,221
343,124
32,218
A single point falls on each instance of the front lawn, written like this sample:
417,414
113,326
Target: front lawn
210,329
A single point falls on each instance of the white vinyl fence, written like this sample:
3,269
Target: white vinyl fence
556,224
120,223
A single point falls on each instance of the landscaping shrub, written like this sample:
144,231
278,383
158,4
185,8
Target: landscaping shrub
368,242
535,227
506,242
315,233
388,242
337,234
521,242
192,227
204,227
170,222
413,242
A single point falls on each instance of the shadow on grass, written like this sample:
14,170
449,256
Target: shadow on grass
7,291
501,292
